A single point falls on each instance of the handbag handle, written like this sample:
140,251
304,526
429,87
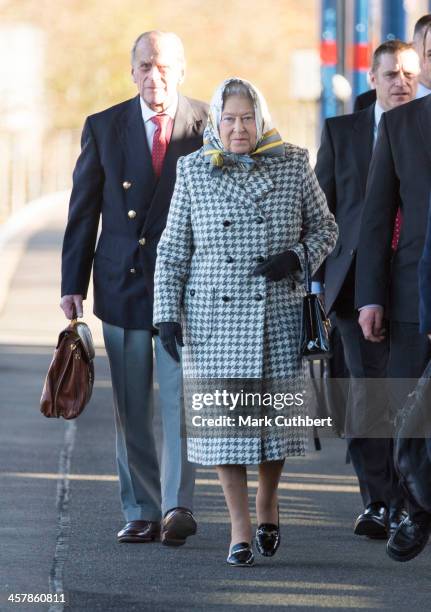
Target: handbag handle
307,271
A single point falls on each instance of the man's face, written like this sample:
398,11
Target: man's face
423,48
396,78
157,71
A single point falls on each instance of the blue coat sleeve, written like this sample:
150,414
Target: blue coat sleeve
83,220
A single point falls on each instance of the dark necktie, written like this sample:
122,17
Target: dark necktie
160,142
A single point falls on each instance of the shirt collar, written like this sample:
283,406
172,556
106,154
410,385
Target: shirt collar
148,113
422,91
378,112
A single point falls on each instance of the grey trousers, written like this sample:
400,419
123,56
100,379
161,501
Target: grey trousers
147,490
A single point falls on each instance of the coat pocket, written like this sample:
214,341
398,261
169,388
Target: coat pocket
198,311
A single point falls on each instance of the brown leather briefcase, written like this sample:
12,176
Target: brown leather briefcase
69,382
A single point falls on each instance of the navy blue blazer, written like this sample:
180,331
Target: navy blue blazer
114,179
425,282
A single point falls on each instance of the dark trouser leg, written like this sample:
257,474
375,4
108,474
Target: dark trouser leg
410,352
368,415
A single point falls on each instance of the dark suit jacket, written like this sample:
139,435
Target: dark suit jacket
114,175
399,175
341,169
425,282
364,100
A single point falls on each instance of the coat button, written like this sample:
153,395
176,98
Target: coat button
225,298
226,223
259,219
192,292
127,185
258,297
132,271
131,214
229,259
260,259
142,241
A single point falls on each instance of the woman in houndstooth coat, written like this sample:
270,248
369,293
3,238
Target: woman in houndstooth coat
228,281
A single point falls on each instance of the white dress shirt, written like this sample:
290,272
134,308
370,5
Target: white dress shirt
148,113
422,91
378,112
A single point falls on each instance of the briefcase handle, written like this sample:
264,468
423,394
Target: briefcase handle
74,318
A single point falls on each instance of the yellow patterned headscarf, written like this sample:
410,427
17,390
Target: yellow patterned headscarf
268,142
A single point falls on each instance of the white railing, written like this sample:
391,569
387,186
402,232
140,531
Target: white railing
33,164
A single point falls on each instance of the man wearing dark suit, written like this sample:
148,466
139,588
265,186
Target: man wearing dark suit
126,174
386,285
342,168
367,98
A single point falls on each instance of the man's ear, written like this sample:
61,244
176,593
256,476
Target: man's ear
372,78
132,74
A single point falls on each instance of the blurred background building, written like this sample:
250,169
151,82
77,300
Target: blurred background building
61,60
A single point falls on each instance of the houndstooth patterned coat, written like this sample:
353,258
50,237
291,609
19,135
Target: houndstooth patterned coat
236,325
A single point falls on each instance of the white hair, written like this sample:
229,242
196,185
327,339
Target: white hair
175,41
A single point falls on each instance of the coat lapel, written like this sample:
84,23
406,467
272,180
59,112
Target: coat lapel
362,143
137,163
424,122
246,191
258,185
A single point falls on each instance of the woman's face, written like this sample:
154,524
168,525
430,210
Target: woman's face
238,125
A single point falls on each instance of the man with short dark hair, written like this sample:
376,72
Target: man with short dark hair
387,283
342,168
421,27
424,86
126,174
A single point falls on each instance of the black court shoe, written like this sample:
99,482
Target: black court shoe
241,555
268,538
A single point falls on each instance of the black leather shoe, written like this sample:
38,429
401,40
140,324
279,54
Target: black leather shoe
268,538
373,522
396,517
241,555
139,531
408,540
177,525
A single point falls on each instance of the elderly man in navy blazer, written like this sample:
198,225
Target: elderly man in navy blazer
126,175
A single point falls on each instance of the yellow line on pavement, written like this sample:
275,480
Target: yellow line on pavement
287,486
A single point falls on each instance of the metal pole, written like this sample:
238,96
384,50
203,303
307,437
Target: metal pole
360,48
393,20
341,47
328,56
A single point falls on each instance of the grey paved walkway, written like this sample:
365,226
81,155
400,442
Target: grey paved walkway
320,564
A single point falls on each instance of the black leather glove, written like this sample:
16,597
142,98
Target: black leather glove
277,267
171,334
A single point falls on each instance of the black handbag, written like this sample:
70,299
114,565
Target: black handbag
412,445
315,327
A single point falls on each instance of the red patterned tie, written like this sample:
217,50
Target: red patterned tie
160,142
397,230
